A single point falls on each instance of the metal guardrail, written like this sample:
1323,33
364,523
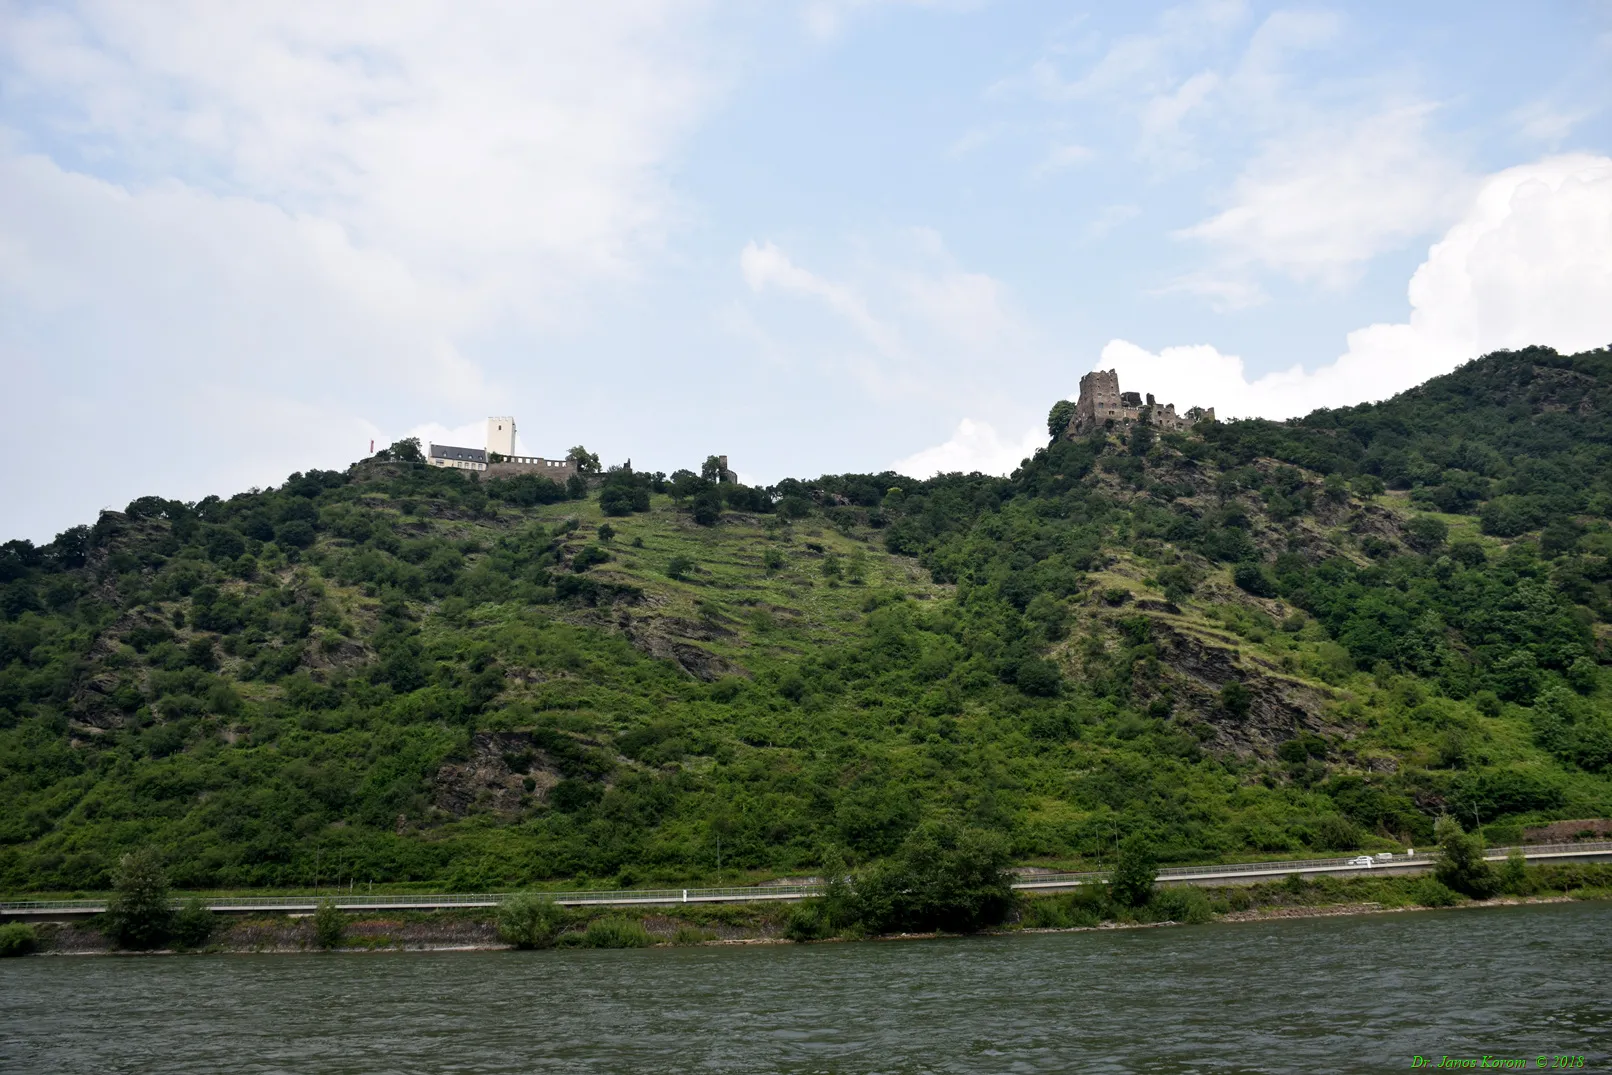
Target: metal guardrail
1328,865
356,901
757,893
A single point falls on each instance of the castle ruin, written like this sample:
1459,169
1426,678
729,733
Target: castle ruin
1101,403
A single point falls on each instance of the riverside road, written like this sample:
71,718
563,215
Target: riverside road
1237,873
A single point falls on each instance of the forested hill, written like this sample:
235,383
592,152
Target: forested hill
1261,638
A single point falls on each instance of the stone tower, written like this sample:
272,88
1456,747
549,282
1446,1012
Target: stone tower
501,436
1099,400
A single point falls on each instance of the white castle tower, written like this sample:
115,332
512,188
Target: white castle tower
501,436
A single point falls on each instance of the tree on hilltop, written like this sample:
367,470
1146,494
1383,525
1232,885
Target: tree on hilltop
1058,419
586,461
406,450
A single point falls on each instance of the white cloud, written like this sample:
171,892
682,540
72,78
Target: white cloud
826,18
1136,65
1153,77
929,326
1262,80
766,267
1062,157
151,355
974,446
973,139
1530,262
519,143
1337,170
967,310
165,266
1164,113
1319,205
1111,217
264,234
1224,290
1541,121
472,434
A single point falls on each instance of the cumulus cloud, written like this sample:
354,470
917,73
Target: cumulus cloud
973,446
1530,262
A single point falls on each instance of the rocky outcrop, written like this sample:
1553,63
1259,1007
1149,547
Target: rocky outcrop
505,773
1196,671
673,639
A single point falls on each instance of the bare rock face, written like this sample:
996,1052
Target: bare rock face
341,653
92,704
1195,672
672,639
494,778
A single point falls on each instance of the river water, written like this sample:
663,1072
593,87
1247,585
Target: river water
1316,994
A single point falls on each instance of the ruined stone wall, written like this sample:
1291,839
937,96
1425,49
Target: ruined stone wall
556,470
1101,401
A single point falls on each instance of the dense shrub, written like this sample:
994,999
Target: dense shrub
530,920
329,925
1185,904
17,939
610,933
193,924
1253,578
943,877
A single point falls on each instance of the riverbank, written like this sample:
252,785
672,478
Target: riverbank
770,923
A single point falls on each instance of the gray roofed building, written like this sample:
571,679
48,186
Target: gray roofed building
445,455
496,460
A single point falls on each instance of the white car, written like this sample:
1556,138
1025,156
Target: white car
1384,856
1363,860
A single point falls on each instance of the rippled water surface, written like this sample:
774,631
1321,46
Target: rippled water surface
1332,994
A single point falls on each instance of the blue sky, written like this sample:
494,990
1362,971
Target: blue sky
817,236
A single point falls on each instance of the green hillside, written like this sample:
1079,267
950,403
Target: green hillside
1260,639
